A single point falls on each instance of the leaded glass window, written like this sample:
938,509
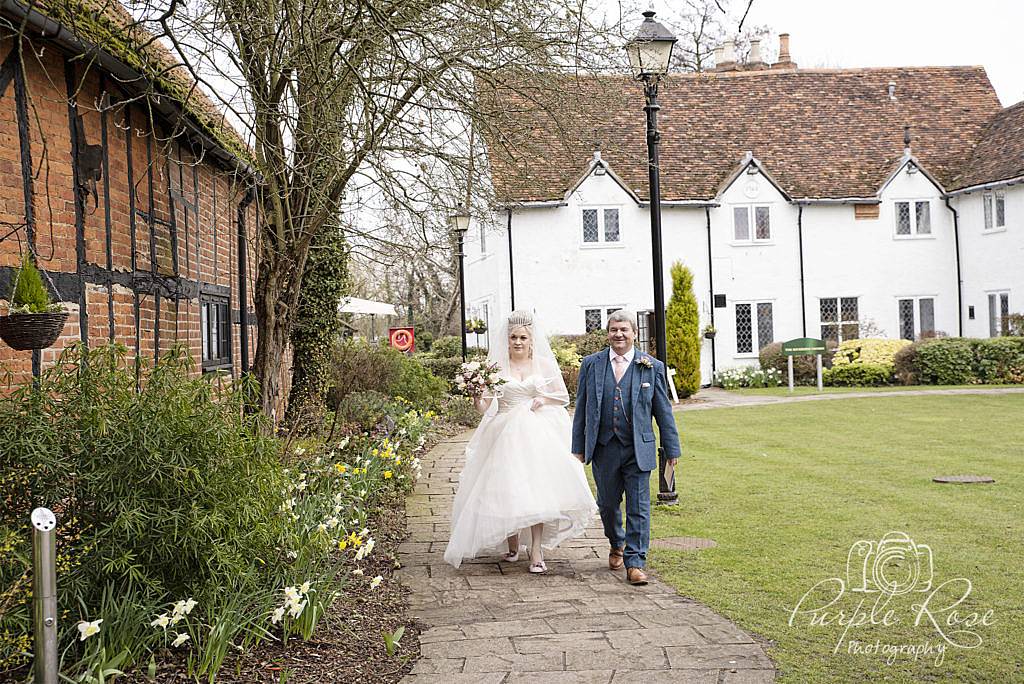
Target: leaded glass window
744,330
907,319
926,305
592,319
590,233
765,326
903,218
924,217
999,314
763,223
741,223
840,318
611,225
986,203
1000,201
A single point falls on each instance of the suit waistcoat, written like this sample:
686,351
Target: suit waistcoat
617,407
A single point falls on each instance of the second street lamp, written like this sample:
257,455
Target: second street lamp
650,53
459,224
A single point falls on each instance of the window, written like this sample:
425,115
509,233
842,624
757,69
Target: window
215,316
913,218
600,226
998,314
995,210
483,238
922,324
839,318
747,218
752,335
597,318
644,326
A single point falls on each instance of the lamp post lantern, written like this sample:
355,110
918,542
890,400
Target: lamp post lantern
650,54
459,224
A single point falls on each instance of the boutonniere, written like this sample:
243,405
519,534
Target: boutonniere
644,361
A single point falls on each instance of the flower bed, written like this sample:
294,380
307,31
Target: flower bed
747,376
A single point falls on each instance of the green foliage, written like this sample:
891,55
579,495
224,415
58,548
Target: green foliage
858,375
30,294
905,364
392,640
804,367
999,360
945,361
867,350
366,410
446,346
747,376
358,366
315,328
442,367
460,410
565,353
682,331
588,344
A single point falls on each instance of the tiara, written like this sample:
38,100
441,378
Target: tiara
520,319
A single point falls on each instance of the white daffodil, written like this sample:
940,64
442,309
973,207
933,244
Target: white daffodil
361,553
189,605
87,629
179,640
176,618
161,621
292,593
375,582
322,528
304,588
358,571
296,610
369,546
365,531
276,616
292,555
299,451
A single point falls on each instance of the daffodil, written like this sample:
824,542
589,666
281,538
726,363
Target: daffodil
342,544
179,640
387,474
332,522
375,582
358,571
296,610
276,616
304,588
87,629
161,621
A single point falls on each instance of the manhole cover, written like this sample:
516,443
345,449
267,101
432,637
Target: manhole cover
683,543
963,479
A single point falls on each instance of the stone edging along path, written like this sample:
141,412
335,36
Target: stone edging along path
716,397
492,622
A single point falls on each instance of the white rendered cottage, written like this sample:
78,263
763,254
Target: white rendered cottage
822,203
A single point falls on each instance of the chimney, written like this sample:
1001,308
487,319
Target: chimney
728,62
785,61
719,55
754,61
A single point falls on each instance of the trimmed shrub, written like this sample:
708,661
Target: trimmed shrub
948,361
905,364
446,346
360,367
804,367
565,353
589,343
858,375
999,360
682,331
871,350
442,367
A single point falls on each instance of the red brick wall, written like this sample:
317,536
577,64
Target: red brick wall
206,235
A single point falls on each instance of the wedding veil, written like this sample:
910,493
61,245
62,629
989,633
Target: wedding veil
544,365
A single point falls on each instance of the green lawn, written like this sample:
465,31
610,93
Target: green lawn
801,390
786,490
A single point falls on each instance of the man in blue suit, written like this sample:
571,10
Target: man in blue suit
621,390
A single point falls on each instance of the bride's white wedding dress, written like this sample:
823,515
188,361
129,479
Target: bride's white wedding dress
519,471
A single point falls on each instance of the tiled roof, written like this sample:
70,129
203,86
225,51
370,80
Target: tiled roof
999,154
821,133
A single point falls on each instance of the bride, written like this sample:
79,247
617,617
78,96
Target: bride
520,479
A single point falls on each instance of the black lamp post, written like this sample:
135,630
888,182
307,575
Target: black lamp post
459,223
650,53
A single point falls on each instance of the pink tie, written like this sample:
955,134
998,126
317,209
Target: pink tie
619,368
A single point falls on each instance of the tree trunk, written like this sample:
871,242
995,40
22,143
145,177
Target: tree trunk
272,325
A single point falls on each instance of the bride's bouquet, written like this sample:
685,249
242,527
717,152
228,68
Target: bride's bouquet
476,378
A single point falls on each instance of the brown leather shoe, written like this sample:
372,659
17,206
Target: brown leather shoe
615,560
636,576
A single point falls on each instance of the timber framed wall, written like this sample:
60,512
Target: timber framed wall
136,226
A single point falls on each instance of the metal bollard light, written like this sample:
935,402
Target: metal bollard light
44,594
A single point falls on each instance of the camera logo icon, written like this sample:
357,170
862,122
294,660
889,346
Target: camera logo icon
893,565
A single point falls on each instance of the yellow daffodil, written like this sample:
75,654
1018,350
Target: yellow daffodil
387,474
342,544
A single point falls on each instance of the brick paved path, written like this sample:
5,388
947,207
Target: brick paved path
493,622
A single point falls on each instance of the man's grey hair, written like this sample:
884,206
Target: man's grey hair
622,316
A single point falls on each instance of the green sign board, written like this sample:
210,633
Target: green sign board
803,346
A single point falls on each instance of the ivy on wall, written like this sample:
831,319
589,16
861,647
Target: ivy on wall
316,328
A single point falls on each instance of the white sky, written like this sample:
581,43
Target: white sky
862,33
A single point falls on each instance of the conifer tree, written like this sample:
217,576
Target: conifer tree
682,334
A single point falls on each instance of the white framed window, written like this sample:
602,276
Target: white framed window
840,318
913,218
755,327
215,328
994,204
596,317
998,314
483,239
600,226
917,317
751,224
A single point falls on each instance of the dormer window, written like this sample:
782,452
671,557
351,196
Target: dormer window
913,218
995,210
600,225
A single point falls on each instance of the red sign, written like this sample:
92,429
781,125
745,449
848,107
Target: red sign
402,339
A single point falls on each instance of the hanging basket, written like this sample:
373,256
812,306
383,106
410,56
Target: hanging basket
24,331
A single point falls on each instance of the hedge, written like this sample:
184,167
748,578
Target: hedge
858,375
961,361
